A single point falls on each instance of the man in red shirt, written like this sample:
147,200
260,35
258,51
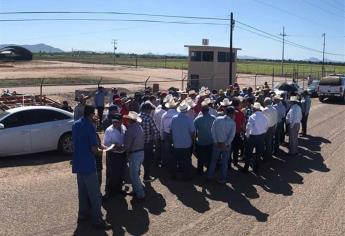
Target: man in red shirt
240,125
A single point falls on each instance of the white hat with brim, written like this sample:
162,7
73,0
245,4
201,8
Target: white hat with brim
204,92
171,104
183,107
257,106
294,99
191,92
226,102
132,115
276,98
206,102
168,98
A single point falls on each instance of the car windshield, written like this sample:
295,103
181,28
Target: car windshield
3,114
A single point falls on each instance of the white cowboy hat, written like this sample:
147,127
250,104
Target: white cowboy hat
206,102
183,107
171,104
257,106
294,99
168,98
133,116
191,92
190,102
225,102
276,97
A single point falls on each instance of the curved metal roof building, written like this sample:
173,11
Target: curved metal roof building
15,53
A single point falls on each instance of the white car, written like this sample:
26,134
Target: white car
32,129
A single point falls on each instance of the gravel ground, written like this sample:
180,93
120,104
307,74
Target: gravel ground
292,196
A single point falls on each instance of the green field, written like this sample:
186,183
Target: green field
302,69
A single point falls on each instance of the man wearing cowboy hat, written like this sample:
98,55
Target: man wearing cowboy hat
240,122
151,137
256,129
134,145
223,132
306,104
165,129
271,115
79,109
116,158
99,101
183,135
204,143
281,110
293,118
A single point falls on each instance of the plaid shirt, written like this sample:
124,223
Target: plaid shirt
151,132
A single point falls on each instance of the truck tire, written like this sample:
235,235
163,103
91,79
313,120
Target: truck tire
321,98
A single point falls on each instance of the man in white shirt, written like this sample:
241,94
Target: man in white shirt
116,157
157,118
293,118
165,131
271,115
256,129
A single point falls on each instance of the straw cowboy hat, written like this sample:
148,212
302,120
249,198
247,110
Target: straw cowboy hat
206,102
225,102
277,98
132,115
171,104
190,102
257,106
183,107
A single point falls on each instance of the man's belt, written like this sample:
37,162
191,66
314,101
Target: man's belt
139,150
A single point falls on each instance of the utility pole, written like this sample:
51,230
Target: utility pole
283,35
232,23
323,54
114,42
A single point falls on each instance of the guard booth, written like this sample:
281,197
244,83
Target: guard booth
209,66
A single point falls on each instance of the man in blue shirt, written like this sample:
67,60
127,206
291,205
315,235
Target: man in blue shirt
223,132
183,134
84,165
204,141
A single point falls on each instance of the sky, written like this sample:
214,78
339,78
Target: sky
304,20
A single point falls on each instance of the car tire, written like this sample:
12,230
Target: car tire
65,145
321,98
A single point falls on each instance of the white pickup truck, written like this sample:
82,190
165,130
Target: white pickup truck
332,86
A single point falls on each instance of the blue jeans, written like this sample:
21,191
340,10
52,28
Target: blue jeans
89,196
223,154
135,161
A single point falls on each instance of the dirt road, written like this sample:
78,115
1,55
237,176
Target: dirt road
292,196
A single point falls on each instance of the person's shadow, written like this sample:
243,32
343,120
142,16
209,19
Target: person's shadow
123,218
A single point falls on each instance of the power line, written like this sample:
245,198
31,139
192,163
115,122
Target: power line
118,20
288,41
114,13
322,9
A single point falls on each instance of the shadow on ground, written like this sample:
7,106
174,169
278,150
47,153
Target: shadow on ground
33,159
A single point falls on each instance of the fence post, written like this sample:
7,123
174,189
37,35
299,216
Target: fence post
255,80
136,61
183,79
147,81
272,77
99,82
41,90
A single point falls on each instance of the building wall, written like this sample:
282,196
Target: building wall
214,75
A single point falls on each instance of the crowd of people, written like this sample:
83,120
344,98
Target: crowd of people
220,127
